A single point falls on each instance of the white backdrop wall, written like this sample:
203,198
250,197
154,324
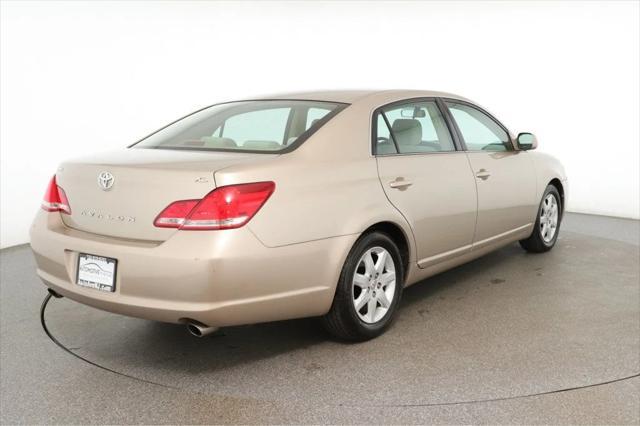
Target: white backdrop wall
81,77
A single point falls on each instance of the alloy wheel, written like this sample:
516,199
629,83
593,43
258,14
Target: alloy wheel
374,285
549,218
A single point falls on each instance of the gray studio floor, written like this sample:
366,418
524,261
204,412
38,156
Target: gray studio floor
509,338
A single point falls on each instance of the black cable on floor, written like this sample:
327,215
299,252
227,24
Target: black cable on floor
507,398
437,404
64,348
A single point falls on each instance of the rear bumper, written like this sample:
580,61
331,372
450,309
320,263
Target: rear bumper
218,278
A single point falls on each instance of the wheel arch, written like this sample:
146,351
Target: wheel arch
558,184
399,237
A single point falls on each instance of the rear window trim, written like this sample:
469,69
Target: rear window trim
340,106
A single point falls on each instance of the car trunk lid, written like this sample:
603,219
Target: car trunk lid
119,194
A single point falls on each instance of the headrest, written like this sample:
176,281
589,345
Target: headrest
407,131
216,142
262,145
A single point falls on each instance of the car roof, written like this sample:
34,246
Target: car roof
354,96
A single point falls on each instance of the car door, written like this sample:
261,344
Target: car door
426,178
505,177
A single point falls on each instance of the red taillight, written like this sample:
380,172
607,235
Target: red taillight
55,200
226,207
175,214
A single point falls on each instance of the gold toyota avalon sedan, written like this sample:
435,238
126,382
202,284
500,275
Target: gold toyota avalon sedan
319,204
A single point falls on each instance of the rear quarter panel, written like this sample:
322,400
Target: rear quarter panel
326,188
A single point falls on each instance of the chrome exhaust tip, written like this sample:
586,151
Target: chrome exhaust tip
200,330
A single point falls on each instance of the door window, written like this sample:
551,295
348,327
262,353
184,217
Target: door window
416,127
479,131
383,144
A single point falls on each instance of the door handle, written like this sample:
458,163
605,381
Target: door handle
400,183
483,174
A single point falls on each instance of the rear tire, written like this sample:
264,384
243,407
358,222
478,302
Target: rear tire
368,291
547,227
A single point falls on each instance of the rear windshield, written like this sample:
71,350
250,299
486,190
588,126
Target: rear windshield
249,126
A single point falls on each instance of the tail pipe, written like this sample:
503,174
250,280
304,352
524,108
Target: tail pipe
200,330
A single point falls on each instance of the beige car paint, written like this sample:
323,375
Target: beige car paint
146,181
227,278
441,201
505,202
286,261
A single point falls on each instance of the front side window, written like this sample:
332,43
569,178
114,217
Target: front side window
416,127
479,131
256,126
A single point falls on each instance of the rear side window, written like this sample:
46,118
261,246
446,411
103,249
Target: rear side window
254,126
314,115
479,131
416,127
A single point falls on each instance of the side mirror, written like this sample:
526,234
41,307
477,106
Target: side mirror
527,141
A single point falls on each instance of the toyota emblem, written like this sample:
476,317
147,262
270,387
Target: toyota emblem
105,180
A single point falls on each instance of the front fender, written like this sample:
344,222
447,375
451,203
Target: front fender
549,168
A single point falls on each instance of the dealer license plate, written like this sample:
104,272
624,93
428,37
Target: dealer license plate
97,272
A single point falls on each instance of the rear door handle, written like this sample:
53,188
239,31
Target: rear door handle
483,174
400,183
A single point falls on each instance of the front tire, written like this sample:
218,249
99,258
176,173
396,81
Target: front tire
368,291
545,232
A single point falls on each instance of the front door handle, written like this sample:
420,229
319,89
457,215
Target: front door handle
400,184
483,174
